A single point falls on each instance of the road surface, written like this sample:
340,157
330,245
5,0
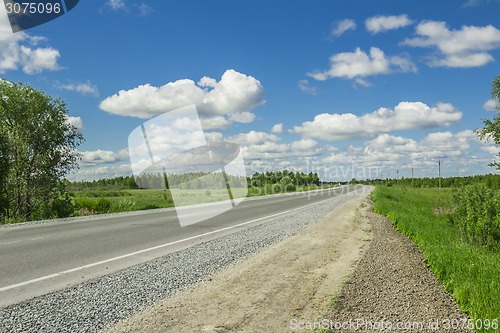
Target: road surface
40,258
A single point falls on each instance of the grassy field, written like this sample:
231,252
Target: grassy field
470,272
97,201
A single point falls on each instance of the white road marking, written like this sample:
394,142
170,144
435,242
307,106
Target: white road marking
19,241
47,277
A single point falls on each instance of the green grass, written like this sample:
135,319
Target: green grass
471,273
112,201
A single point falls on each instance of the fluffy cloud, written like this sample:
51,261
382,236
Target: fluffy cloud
358,64
99,157
253,138
490,105
382,156
405,116
274,150
433,146
75,121
20,50
378,24
383,141
86,88
340,27
214,136
100,171
242,117
277,129
466,47
234,93
215,122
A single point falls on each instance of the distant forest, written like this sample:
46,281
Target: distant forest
283,177
196,180
491,181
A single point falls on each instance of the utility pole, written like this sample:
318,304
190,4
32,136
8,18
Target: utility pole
397,176
439,173
412,181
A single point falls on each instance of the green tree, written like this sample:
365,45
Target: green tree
491,130
38,148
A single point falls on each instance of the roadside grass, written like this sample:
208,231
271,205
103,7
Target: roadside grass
100,201
470,272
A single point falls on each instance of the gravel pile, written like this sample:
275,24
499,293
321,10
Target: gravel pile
101,302
392,289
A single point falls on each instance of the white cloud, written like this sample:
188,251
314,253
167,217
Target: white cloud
134,8
438,145
116,4
490,105
466,47
386,140
99,157
304,144
215,122
405,116
253,138
75,121
378,24
242,117
340,27
446,141
214,136
493,150
358,64
94,172
306,87
234,93
277,128
273,150
362,82
86,88
19,50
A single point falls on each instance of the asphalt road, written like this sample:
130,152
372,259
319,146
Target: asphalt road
39,258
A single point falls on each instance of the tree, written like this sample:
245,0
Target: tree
37,149
491,130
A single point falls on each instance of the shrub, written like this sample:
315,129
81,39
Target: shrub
99,206
102,205
478,215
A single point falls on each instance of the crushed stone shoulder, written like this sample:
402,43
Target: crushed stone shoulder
392,289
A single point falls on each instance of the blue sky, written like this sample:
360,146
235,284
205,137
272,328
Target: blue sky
347,88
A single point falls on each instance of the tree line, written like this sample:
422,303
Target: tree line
197,180
491,181
261,179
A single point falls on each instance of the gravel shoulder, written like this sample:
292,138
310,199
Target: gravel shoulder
392,289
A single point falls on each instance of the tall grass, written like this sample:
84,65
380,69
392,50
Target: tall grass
469,271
